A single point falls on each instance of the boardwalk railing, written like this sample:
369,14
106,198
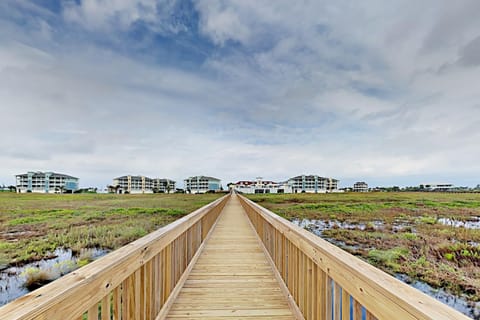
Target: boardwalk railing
328,283
133,282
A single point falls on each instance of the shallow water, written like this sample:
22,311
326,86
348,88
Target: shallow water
12,281
466,307
317,226
474,223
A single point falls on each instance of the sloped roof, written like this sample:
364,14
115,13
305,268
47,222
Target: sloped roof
52,174
202,178
312,176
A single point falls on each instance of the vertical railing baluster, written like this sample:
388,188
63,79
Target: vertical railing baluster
345,305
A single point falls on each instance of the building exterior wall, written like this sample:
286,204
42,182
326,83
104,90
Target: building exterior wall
163,185
332,185
202,184
45,182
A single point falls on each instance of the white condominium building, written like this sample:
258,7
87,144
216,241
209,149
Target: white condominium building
360,187
46,182
202,184
141,184
313,184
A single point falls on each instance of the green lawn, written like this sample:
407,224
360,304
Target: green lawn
34,225
398,232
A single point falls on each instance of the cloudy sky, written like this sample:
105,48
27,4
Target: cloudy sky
382,91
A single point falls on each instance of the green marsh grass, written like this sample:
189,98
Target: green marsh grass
34,225
441,255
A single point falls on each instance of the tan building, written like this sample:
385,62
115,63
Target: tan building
313,184
133,184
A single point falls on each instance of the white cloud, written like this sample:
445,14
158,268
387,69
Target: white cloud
95,14
115,15
222,23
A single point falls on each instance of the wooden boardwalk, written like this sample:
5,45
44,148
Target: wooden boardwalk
232,278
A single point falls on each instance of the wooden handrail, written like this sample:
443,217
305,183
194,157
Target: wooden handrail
132,282
327,282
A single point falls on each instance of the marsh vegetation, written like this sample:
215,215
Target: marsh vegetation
45,236
428,237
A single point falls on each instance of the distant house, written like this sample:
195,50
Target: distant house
313,184
436,187
360,187
46,182
202,184
261,186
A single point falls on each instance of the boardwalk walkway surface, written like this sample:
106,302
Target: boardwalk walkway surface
232,278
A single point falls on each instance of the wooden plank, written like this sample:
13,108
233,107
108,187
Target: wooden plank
322,284
295,272
233,278
173,296
140,294
106,308
301,283
316,312
345,305
310,293
150,298
125,299
329,298
168,271
297,313
357,310
369,316
337,302
132,296
117,303
92,313
163,275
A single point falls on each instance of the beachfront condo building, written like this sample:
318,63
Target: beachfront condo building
313,184
141,184
133,184
360,187
202,184
46,182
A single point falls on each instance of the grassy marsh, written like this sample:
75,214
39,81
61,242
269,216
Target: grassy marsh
398,232
32,226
